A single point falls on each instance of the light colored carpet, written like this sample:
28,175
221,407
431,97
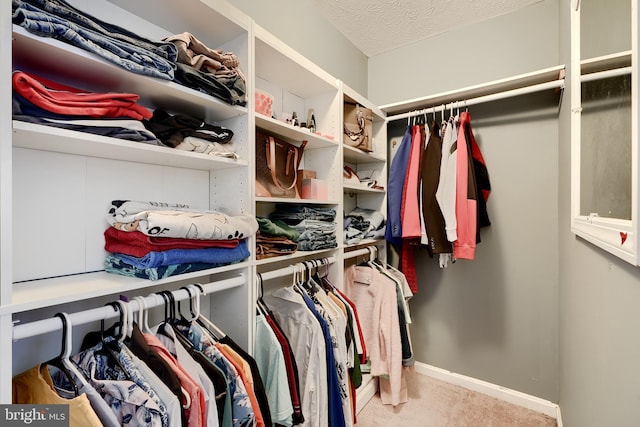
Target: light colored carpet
435,403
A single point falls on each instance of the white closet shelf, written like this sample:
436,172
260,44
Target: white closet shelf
41,293
293,133
362,244
540,77
295,201
213,22
48,138
90,72
354,155
298,255
360,189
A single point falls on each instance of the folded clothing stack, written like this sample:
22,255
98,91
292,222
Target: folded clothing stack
275,238
363,223
316,225
153,240
211,71
184,132
113,114
58,19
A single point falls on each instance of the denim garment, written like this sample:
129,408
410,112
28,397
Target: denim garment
316,245
324,227
113,264
125,55
64,10
156,259
293,214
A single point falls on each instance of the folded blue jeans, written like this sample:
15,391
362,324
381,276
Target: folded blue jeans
126,55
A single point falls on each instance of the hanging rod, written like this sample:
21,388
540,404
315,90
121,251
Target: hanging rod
40,327
286,271
600,75
482,99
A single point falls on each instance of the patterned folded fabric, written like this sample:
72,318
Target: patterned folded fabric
179,221
115,265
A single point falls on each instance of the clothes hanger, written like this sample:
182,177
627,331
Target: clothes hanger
143,315
59,361
205,322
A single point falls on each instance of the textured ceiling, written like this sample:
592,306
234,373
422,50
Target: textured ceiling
376,26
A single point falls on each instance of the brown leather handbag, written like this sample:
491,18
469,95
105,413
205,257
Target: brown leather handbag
358,126
277,163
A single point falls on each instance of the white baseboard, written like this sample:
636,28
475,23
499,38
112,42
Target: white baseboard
512,396
366,391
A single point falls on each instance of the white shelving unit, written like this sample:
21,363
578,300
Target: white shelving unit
56,184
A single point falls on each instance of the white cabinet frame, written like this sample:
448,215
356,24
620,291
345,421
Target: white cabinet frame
617,236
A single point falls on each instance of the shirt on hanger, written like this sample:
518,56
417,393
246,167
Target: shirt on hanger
35,386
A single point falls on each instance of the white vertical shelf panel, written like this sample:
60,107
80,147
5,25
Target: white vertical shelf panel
6,205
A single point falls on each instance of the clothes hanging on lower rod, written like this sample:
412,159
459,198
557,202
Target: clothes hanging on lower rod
323,329
182,372
437,193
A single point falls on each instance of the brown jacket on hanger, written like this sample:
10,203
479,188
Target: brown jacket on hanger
430,174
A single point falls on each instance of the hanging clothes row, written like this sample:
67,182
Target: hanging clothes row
438,191
182,372
381,293
310,337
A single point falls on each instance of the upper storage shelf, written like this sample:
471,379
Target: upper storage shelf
90,72
296,85
214,22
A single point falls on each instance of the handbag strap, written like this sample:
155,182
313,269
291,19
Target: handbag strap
271,161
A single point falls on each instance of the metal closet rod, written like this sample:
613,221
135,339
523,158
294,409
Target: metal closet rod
481,99
44,326
289,270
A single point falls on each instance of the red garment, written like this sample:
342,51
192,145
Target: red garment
363,356
196,412
137,244
466,198
61,99
477,154
410,211
408,265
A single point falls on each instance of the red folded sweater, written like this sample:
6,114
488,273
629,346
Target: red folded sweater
61,99
136,244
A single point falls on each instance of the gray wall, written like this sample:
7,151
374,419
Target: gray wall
301,25
497,318
505,46
599,317
494,318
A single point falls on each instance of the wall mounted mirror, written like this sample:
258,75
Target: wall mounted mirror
604,122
